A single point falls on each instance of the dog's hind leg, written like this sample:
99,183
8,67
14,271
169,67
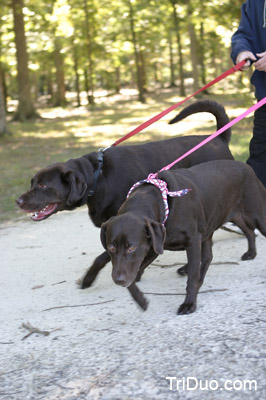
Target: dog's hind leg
182,270
261,225
91,274
138,296
250,235
193,282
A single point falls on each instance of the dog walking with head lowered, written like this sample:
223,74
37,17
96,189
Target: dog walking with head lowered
200,199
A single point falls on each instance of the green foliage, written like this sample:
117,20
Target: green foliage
110,38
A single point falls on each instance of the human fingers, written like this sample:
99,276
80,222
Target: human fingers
261,54
260,65
245,55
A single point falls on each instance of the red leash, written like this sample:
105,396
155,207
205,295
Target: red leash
163,113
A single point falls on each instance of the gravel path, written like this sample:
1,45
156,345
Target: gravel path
102,346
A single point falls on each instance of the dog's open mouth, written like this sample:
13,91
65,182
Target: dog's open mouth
44,213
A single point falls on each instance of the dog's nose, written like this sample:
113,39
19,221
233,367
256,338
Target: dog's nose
120,279
20,201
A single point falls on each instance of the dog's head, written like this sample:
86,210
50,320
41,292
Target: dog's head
128,240
53,189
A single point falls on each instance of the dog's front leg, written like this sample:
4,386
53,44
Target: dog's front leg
151,256
138,296
193,282
91,274
206,258
133,289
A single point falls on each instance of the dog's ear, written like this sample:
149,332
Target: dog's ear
77,185
156,232
103,234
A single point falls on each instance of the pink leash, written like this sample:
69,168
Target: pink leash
140,128
162,186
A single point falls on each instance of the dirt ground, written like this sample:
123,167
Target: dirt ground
98,344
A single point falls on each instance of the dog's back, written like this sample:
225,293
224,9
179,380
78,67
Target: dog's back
224,188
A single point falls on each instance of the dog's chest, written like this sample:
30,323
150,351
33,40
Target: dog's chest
176,240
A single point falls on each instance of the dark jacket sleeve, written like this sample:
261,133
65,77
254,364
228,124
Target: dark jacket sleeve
244,36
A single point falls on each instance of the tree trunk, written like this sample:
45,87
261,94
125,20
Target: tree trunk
50,88
60,96
117,80
171,58
86,84
90,82
202,43
136,52
193,55
193,47
179,47
77,85
143,73
201,55
3,124
155,73
35,85
4,86
26,109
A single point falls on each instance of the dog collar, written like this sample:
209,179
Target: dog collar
162,186
96,173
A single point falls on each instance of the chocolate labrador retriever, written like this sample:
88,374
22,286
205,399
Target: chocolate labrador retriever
218,191
101,180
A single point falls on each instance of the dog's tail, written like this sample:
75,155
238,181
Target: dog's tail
207,106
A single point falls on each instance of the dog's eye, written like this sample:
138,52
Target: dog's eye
42,186
131,248
111,248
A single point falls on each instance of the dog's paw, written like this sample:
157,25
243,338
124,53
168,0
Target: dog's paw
249,255
143,303
186,308
182,271
87,281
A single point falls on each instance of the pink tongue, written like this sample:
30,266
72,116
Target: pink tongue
39,215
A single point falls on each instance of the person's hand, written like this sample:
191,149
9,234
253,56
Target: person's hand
245,55
260,65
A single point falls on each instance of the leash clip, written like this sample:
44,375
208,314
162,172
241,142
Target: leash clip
103,149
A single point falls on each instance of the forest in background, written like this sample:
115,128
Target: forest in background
48,49
76,75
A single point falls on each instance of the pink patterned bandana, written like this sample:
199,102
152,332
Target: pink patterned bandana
162,186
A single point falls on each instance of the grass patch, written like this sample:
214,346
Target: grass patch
71,132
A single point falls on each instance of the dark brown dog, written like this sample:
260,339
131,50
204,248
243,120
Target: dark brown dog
103,184
222,191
